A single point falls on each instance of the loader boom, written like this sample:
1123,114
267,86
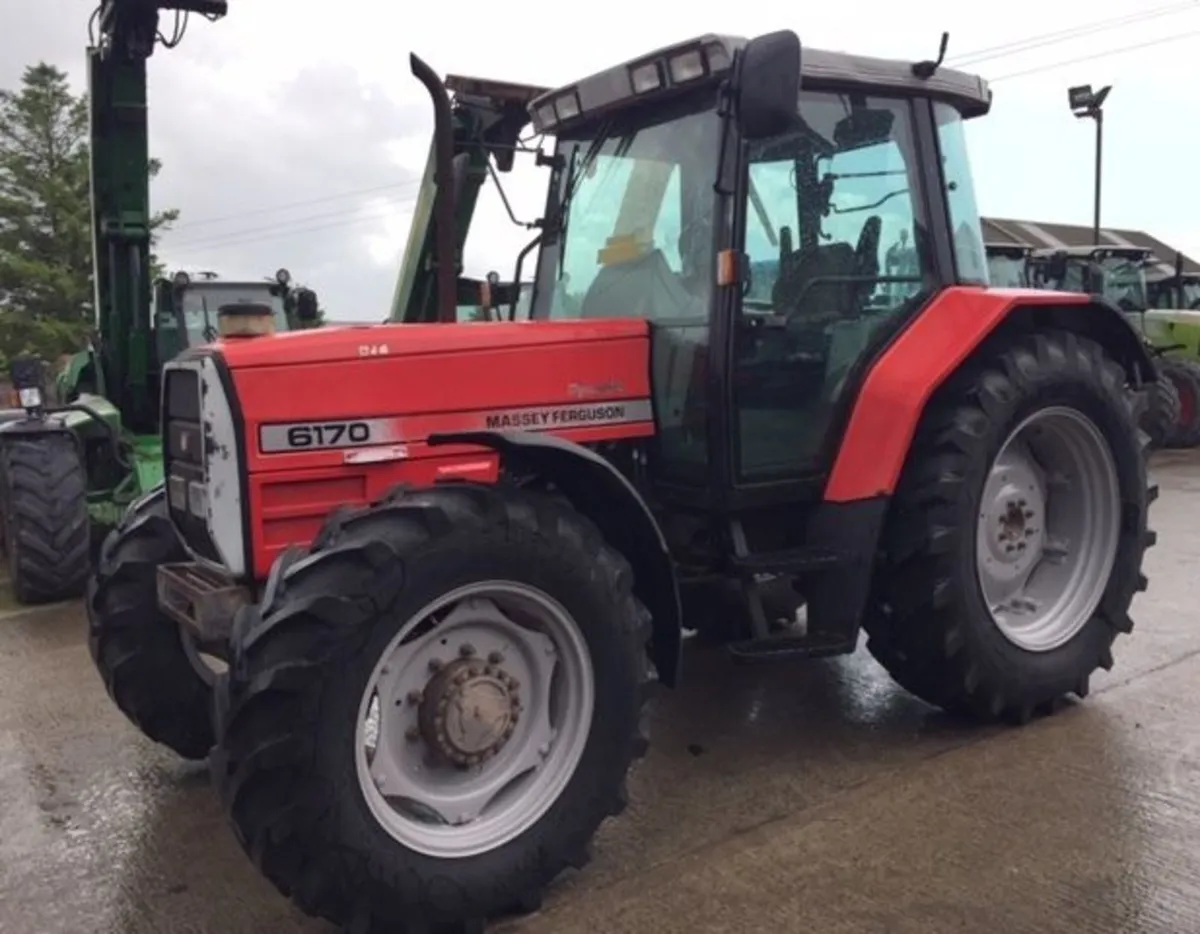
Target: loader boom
126,32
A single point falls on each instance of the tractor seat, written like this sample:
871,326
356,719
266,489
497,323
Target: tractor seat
792,294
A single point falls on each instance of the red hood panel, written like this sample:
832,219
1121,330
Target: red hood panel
334,344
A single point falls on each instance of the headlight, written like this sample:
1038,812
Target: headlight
686,67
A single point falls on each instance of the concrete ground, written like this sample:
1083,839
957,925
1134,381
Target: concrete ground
810,796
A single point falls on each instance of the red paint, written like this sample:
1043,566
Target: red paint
433,379
895,393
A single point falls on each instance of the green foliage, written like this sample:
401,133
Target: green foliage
46,292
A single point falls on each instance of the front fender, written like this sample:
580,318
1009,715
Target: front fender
603,494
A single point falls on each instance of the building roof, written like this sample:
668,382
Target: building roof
1043,235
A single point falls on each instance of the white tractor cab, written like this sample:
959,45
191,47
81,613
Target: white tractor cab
1008,265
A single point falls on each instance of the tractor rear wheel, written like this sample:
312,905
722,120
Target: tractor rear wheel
43,496
148,666
1184,375
1014,543
434,710
1163,411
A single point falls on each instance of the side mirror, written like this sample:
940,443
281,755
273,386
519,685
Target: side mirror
766,82
307,310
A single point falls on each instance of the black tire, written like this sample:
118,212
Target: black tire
1184,375
286,712
1160,420
928,623
46,525
139,650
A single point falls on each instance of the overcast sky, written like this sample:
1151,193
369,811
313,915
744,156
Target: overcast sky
292,131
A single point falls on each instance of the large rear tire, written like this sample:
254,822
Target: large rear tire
1184,375
1013,547
163,688
354,755
43,495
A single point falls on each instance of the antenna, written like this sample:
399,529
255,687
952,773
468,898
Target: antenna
925,70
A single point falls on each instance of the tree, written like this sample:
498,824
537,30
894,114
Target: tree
45,216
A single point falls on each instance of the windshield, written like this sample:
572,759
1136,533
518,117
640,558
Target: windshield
636,237
202,300
1191,294
1007,272
1125,282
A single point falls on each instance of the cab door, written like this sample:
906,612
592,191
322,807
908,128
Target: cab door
837,253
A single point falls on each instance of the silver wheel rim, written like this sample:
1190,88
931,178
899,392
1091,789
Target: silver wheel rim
474,719
1049,525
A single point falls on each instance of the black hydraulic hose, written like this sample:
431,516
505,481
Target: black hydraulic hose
443,205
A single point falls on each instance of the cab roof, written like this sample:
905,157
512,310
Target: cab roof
819,69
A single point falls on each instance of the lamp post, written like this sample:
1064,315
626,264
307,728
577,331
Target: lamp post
1089,104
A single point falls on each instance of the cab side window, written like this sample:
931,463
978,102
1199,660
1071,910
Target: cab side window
837,249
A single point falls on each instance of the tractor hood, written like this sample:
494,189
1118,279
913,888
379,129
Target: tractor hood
340,344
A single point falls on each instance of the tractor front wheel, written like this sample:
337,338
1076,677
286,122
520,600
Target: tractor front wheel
43,496
148,665
1014,544
434,710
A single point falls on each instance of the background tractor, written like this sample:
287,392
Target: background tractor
71,462
1008,265
1172,418
445,577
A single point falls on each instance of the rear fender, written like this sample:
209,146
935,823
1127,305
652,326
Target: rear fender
607,498
948,331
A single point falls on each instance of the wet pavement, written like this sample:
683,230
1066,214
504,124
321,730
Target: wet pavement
807,796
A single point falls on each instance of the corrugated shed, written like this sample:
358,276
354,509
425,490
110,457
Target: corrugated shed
1043,234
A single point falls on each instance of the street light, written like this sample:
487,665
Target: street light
1088,104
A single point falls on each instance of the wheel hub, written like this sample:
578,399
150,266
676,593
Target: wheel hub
1013,522
469,710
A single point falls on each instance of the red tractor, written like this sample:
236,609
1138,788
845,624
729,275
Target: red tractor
444,564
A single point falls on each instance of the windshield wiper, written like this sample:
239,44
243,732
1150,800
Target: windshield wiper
576,170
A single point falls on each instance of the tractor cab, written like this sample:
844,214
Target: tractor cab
188,311
817,206
1116,273
1008,265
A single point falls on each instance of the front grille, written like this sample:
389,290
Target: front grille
183,460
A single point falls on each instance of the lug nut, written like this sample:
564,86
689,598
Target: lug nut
467,650
495,658
435,664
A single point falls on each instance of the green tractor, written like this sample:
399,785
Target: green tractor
74,455
1174,314
1119,274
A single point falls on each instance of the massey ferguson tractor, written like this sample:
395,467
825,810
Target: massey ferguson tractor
440,566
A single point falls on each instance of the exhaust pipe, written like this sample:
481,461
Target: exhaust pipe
443,177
